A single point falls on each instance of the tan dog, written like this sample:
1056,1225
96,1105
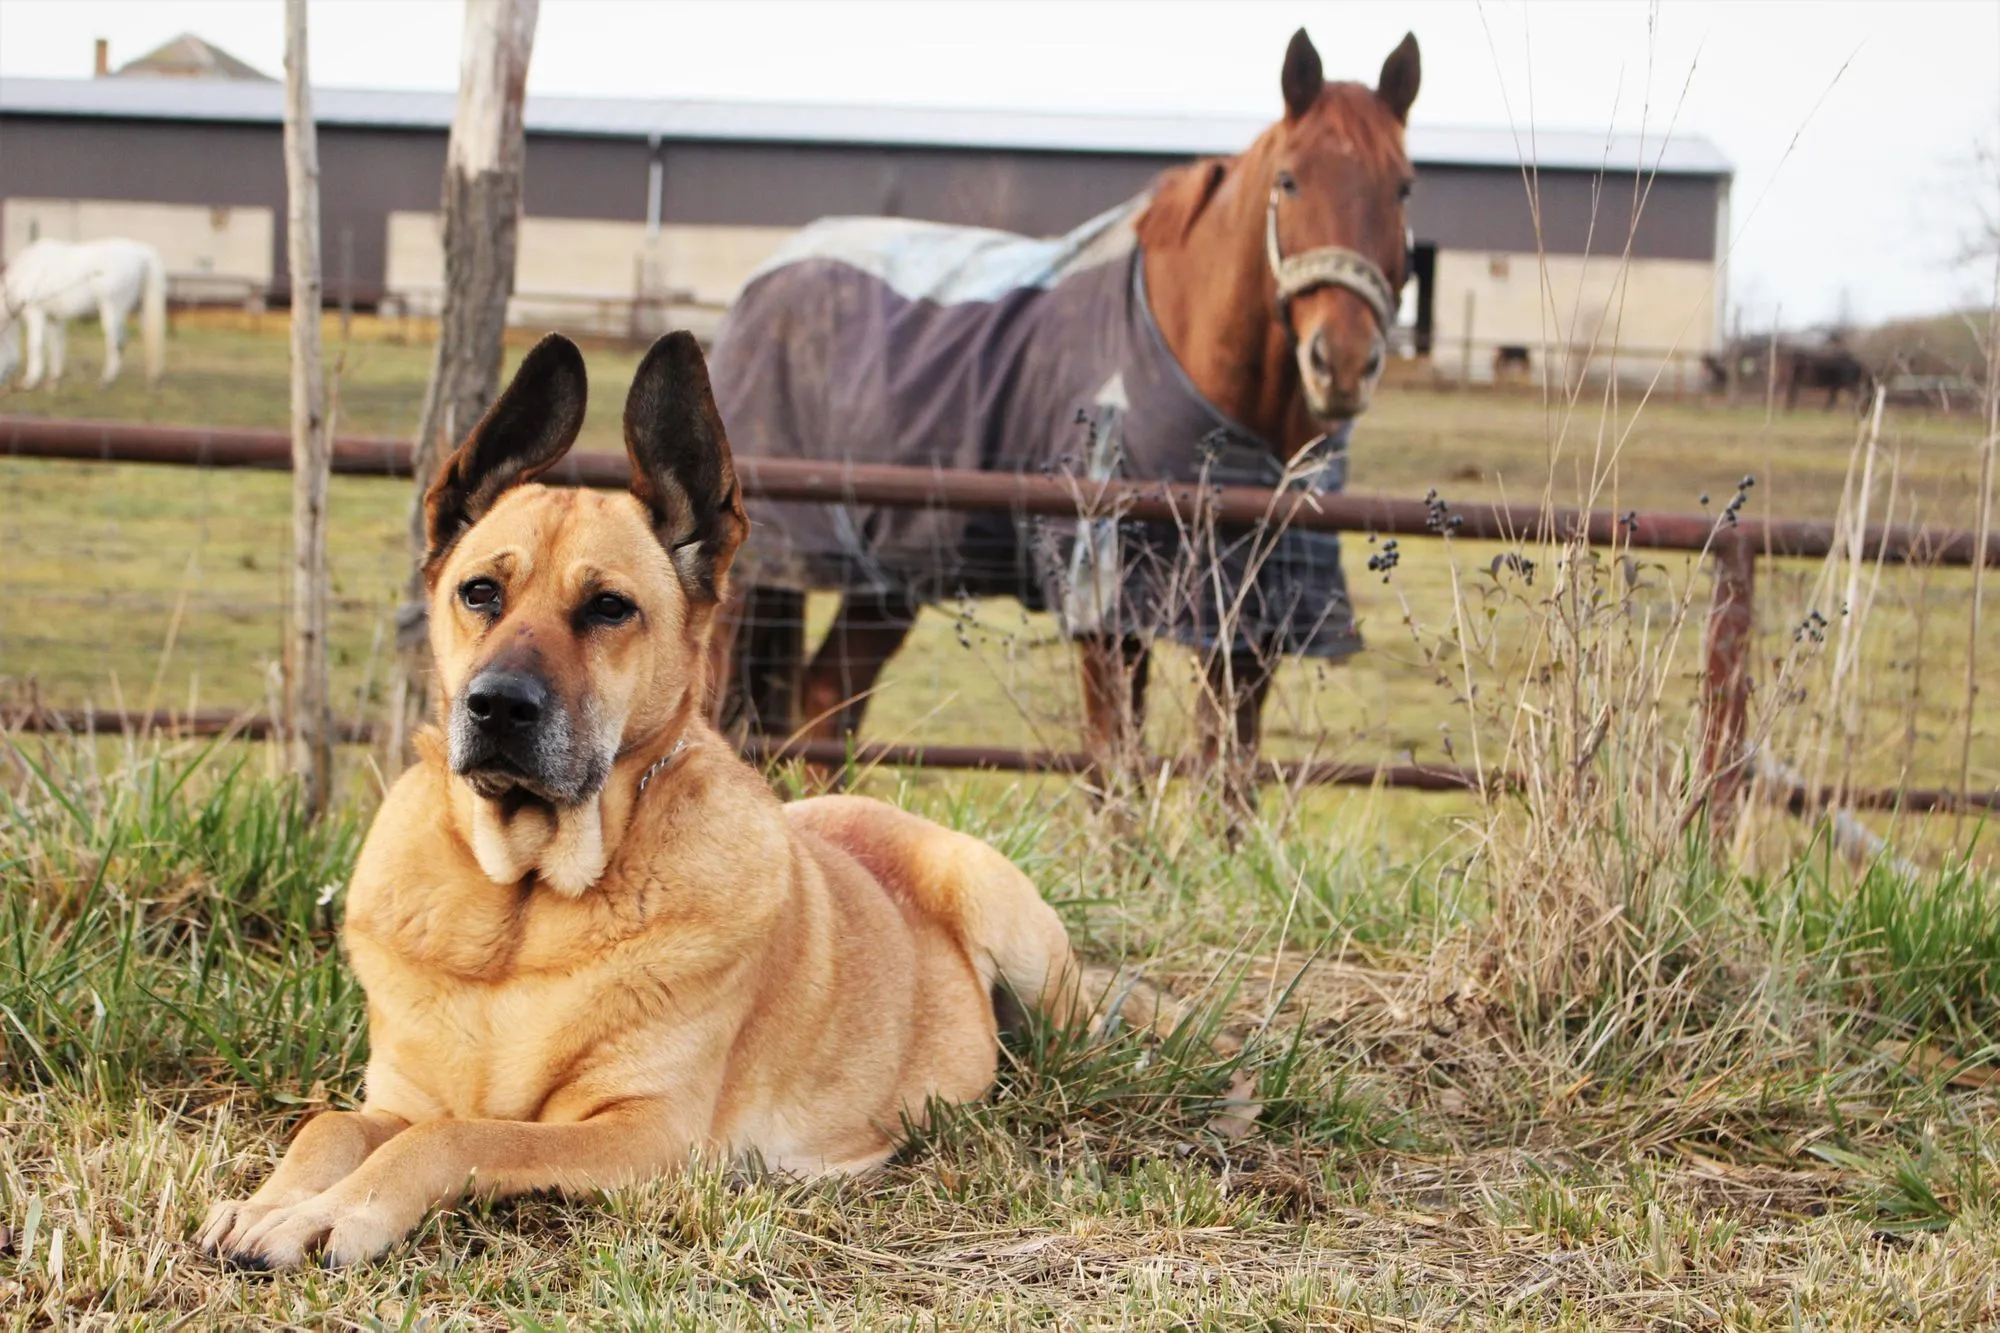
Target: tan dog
592,940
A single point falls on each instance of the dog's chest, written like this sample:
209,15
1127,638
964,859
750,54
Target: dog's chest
502,1040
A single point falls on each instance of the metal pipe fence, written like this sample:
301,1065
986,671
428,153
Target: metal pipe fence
1735,543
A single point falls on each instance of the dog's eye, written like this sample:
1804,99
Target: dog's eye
1288,183
482,595
608,608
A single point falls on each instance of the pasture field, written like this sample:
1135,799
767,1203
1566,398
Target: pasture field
1562,1057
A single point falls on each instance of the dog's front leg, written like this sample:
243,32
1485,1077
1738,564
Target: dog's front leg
330,1147
439,1161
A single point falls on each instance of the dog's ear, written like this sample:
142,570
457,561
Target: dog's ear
681,471
524,434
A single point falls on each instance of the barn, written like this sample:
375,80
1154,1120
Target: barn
641,212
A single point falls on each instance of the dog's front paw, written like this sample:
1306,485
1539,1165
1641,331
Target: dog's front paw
320,1228
231,1218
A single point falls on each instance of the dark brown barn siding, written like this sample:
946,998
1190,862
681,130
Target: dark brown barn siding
367,173
1484,208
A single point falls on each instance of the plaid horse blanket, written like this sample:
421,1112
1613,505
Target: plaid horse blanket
885,340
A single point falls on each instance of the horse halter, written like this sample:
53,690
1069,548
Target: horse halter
1326,266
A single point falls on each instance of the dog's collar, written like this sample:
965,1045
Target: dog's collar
661,763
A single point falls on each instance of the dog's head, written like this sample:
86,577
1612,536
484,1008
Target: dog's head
570,625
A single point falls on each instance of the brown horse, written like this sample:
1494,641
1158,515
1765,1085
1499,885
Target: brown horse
1270,279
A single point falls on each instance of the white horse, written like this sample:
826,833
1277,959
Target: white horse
53,282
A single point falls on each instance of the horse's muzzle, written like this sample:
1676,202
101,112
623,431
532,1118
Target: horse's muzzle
1339,387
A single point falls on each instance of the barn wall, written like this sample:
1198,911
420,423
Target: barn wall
726,195
565,263
211,251
1658,311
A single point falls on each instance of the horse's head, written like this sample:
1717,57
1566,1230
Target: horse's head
1339,179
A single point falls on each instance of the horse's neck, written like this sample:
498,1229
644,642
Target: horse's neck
1214,300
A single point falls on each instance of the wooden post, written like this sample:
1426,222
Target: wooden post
1726,687
484,163
309,723
1465,373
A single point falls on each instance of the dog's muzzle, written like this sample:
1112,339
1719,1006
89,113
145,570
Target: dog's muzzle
509,733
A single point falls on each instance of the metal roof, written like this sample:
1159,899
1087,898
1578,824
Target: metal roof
763,122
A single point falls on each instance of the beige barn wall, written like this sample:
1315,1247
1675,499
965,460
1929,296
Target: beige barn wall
585,272
222,252
1659,312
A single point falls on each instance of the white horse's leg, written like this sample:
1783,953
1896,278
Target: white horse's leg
113,320
58,348
35,324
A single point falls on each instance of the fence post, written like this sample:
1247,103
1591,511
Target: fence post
307,698
1726,685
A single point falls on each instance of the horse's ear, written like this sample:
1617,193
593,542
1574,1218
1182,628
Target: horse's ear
681,471
524,434
1401,73
1177,201
1303,76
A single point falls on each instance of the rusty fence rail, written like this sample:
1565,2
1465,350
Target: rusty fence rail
1735,544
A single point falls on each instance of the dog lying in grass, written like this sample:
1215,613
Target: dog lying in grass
592,939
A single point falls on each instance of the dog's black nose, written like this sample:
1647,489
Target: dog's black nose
504,701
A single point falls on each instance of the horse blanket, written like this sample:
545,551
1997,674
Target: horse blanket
885,340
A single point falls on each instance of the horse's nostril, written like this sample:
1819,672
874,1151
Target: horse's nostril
1374,362
1316,354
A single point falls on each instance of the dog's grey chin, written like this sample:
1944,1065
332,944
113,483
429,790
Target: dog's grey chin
503,784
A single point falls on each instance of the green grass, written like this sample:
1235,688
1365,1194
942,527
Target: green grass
173,1000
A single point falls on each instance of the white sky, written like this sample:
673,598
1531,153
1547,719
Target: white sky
1881,105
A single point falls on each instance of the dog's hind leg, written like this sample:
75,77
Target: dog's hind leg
993,910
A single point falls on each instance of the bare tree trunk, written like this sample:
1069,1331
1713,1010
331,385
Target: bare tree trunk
309,724
482,209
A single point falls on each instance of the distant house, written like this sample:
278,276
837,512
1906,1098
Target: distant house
631,203
185,57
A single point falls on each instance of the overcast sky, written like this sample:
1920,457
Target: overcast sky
1880,106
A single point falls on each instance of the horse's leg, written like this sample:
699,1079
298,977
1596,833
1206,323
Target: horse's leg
864,636
113,319
762,694
35,322
1230,720
58,349
1115,670
722,636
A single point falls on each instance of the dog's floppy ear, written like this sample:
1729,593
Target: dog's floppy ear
681,471
524,434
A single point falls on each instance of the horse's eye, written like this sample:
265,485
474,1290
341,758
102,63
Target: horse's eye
1403,190
608,608
1288,183
481,595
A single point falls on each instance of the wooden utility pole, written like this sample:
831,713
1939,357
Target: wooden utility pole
483,172
310,724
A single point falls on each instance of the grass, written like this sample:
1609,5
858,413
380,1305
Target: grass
1430,1154
1564,1056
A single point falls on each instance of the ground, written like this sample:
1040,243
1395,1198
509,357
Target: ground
1570,1056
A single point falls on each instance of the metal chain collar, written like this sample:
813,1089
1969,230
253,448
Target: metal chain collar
658,764
1327,266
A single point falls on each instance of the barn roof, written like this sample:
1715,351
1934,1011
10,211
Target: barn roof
761,122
